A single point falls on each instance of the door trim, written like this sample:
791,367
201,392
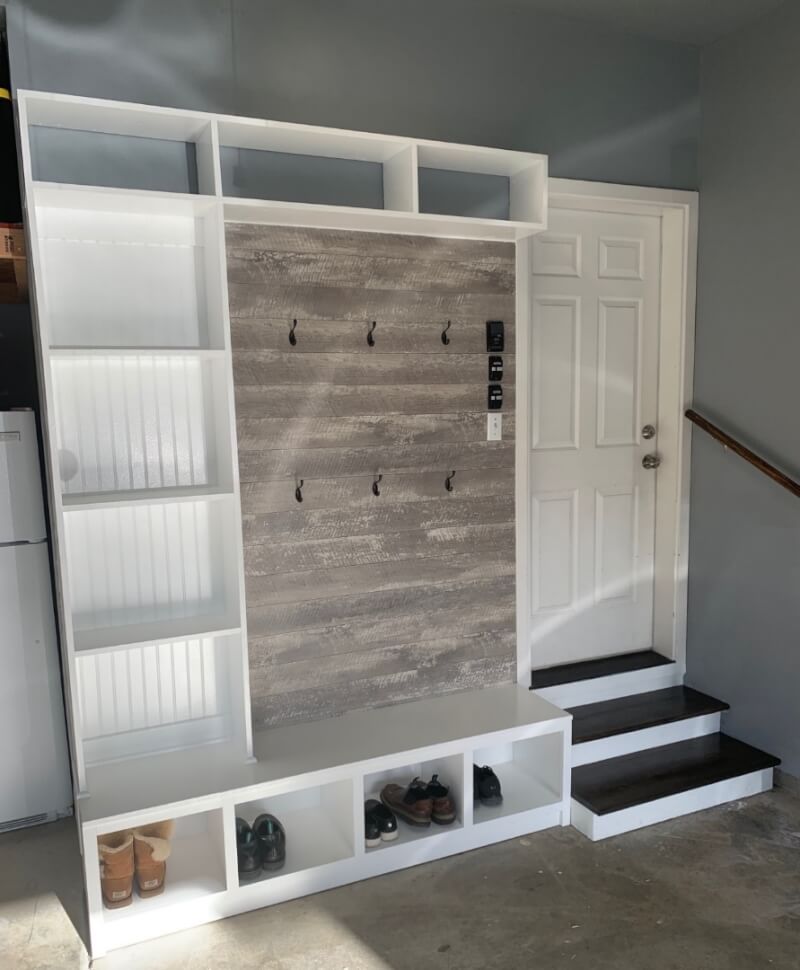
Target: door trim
678,212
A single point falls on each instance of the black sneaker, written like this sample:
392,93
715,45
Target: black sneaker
248,851
380,824
272,839
486,786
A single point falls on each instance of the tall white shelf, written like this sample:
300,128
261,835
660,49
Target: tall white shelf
131,303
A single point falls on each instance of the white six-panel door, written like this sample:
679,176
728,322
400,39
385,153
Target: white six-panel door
594,387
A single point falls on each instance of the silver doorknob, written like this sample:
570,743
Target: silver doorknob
648,432
651,461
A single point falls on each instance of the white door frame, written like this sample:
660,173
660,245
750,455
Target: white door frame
678,212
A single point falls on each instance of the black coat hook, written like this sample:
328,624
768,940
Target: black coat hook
298,492
375,484
292,335
370,338
448,482
445,338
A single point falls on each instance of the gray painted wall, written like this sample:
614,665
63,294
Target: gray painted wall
604,105
744,564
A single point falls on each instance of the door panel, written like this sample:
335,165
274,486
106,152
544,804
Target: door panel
594,385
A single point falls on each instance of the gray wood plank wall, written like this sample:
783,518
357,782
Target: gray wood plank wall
355,600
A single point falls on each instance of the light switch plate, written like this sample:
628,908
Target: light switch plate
494,427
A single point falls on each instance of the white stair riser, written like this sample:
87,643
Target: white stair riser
597,827
653,737
618,685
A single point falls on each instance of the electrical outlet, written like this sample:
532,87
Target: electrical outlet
494,427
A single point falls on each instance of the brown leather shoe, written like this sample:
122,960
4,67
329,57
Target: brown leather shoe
444,808
412,804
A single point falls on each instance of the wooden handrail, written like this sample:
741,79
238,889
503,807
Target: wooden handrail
749,456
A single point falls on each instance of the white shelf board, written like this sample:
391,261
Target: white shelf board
86,501
287,756
521,793
201,353
375,220
311,841
64,195
477,160
159,631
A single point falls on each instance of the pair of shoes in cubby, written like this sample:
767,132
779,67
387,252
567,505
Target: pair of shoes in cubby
421,803
486,787
260,846
141,852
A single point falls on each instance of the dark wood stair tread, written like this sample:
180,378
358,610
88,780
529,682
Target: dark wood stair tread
635,779
605,719
622,663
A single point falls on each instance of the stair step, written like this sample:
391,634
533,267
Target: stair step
602,667
638,712
645,776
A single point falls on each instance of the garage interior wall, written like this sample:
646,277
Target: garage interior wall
744,559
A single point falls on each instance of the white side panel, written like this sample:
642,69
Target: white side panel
654,737
21,506
33,745
597,827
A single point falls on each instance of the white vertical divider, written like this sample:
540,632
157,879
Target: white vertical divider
400,181
522,452
218,306
47,417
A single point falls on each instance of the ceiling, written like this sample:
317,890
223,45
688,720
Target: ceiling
696,22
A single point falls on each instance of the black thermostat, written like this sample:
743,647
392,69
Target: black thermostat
494,336
495,368
495,397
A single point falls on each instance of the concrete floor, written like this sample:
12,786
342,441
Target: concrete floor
715,891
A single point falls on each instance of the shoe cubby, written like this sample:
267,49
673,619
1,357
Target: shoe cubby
128,273
151,572
318,823
138,422
195,880
450,770
530,771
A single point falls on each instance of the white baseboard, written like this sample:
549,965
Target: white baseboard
652,737
597,827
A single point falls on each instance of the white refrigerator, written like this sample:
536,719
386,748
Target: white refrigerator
34,761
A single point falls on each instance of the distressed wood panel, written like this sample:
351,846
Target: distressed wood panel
354,599
333,400
273,367
297,239
366,431
404,685
466,336
344,494
264,466
355,303
258,266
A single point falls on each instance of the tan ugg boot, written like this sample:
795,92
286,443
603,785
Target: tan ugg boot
116,868
151,849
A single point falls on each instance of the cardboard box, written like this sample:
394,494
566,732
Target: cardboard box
13,264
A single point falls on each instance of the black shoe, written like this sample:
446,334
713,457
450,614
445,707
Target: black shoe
486,786
272,839
248,851
380,824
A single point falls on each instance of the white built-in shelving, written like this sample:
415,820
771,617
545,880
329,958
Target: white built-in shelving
130,298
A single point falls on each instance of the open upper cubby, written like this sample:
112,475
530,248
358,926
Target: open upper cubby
88,142
128,271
